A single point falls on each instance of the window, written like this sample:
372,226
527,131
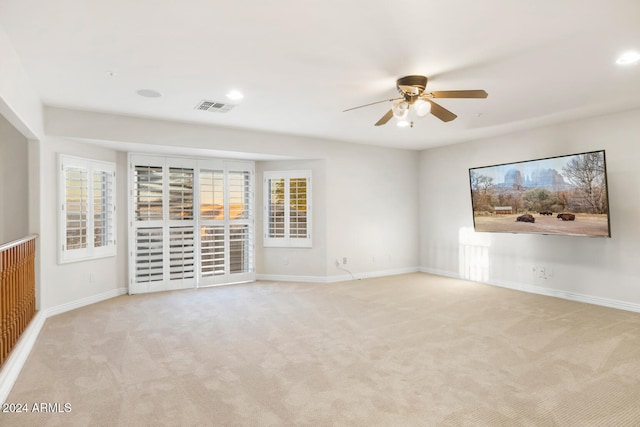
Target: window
191,222
87,225
287,207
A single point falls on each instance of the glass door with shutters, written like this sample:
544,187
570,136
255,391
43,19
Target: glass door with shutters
191,223
226,223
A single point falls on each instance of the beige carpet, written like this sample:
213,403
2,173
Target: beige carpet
411,350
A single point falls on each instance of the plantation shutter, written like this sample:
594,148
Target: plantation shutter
181,253
212,236
149,255
182,257
212,249
87,223
193,222
103,208
76,184
240,215
287,209
298,204
276,208
180,194
226,222
148,225
147,192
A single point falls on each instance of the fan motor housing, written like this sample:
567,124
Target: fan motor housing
418,82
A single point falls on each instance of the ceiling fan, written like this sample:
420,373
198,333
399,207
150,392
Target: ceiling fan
415,102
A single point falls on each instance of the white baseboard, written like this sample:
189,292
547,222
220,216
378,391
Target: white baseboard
16,360
292,278
59,309
573,296
437,272
337,278
382,273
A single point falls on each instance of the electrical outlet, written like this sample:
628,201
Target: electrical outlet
542,272
344,260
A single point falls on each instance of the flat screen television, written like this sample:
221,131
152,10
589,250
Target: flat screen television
564,195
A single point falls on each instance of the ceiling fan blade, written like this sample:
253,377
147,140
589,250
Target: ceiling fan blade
384,119
459,94
440,112
373,103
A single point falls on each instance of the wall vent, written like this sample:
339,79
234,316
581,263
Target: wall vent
214,106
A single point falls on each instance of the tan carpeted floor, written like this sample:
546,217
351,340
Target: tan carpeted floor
410,350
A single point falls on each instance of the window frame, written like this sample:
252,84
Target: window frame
108,198
287,241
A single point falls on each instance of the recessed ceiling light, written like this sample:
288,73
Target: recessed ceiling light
149,93
402,124
235,95
628,58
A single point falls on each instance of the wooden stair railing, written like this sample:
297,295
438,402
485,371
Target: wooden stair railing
17,291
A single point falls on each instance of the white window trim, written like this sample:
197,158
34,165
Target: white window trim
287,241
89,252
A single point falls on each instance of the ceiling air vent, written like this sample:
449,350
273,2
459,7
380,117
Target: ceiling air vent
214,107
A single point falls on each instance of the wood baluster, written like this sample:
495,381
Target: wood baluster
17,292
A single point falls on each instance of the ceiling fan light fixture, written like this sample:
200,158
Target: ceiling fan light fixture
400,110
415,103
422,107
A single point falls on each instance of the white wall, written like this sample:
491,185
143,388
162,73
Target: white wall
14,183
19,102
602,268
372,209
67,283
20,106
309,262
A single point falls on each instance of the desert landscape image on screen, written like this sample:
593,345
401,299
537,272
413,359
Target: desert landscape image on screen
559,195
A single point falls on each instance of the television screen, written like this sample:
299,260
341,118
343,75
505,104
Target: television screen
557,195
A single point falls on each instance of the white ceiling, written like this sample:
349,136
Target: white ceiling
301,62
